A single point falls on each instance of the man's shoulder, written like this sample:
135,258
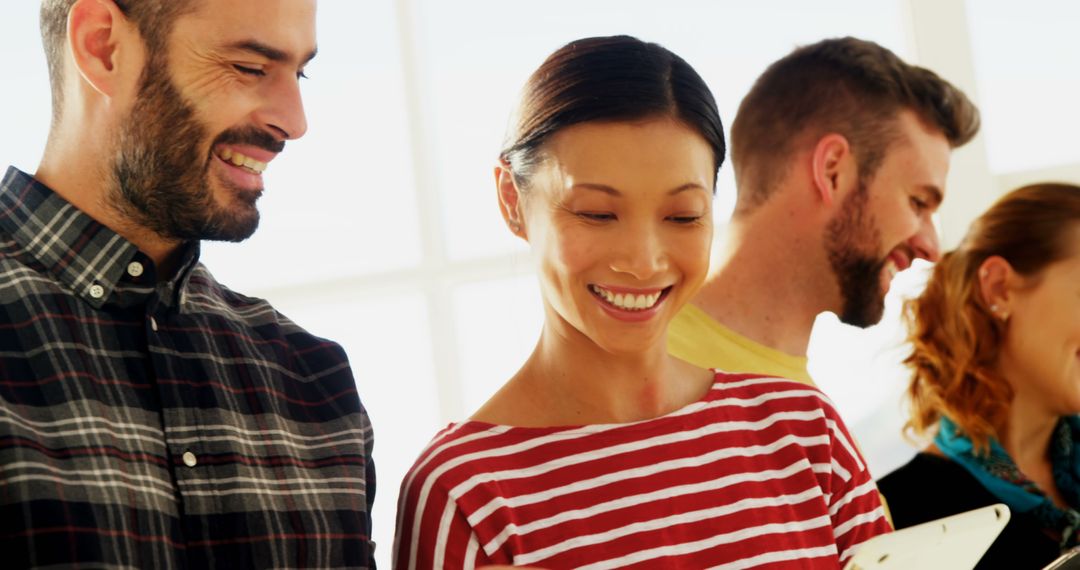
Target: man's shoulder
204,282
698,338
22,275
210,297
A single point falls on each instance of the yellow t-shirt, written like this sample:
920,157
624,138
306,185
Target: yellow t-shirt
699,339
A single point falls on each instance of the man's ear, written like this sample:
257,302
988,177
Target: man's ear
997,282
510,199
98,35
833,167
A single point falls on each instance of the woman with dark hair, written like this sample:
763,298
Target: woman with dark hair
996,376
602,450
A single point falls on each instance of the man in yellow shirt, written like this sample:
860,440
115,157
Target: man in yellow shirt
840,151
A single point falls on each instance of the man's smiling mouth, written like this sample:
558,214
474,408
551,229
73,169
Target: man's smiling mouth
243,161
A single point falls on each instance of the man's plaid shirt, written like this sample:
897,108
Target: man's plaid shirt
164,425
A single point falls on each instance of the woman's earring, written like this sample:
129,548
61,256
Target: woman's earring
997,313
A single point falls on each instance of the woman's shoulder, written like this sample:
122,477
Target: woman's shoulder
457,444
765,409
770,394
469,449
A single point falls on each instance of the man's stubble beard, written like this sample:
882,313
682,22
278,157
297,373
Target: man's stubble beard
160,176
848,238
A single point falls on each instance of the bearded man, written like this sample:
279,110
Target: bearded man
149,416
840,151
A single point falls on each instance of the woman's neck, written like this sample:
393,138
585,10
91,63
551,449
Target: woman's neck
570,380
1027,439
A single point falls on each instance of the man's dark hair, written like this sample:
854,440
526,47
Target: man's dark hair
154,19
616,78
848,86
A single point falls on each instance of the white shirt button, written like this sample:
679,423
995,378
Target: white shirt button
135,269
189,459
153,324
97,291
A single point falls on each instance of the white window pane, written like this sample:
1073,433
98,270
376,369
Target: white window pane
340,201
1027,64
478,54
26,108
388,342
498,324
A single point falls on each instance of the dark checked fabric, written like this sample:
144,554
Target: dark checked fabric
171,425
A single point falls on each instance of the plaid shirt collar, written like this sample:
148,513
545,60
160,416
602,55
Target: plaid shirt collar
78,251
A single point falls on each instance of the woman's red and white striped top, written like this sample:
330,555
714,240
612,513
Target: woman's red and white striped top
761,472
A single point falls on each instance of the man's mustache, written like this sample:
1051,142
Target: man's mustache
251,136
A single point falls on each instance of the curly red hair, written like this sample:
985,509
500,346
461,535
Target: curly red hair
954,336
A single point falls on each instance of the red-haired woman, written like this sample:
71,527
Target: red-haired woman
996,376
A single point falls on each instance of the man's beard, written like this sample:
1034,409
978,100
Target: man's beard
161,170
848,238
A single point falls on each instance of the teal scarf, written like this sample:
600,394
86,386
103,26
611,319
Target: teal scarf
997,472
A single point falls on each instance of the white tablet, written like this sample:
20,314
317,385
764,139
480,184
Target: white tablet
956,542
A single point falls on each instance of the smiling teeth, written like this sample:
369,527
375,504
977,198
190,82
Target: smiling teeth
237,159
890,267
627,301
